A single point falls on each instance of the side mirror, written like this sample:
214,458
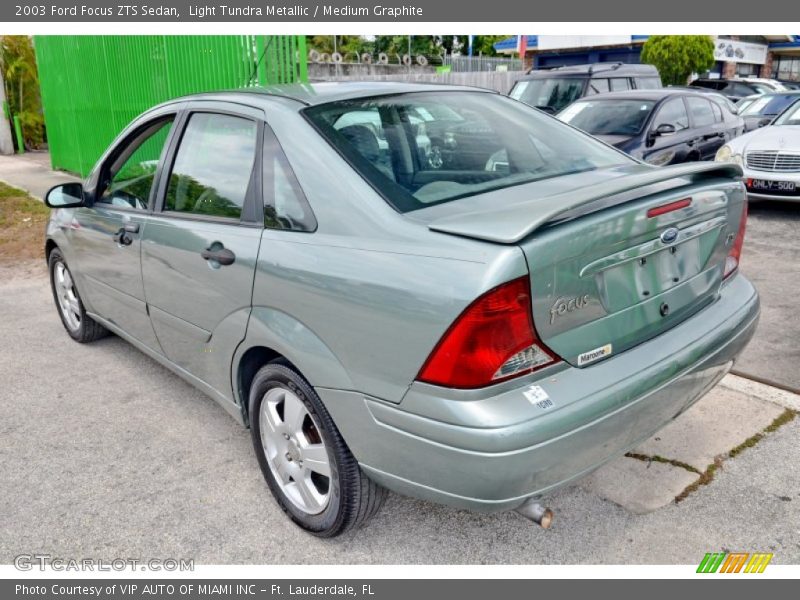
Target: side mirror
66,195
665,129
765,122
661,130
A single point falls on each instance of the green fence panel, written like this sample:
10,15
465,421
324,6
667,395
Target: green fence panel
92,86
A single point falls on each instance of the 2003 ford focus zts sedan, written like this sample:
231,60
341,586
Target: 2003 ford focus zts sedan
436,290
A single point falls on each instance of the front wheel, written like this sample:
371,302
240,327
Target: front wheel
80,326
308,467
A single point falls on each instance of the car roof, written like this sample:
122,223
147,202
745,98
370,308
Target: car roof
654,95
595,70
310,94
774,93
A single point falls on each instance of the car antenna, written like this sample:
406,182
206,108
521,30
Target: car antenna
260,58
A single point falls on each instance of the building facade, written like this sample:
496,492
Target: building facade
776,56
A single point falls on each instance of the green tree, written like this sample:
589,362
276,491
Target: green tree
18,62
484,44
678,56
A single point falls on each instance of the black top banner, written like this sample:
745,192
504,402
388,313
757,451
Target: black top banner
411,11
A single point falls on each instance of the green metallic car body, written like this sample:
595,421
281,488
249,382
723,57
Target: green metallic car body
631,299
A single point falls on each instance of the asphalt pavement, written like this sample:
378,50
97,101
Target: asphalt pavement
104,453
771,260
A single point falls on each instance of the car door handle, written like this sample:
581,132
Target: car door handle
222,256
122,238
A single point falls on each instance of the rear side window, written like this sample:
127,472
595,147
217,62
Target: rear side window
213,166
717,112
702,114
673,112
285,204
619,84
648,83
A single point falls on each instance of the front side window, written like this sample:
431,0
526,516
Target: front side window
702,113
608,117
550,94
213,166
673,112
129,177
442,146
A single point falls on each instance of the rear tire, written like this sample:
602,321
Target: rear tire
293,435
80,326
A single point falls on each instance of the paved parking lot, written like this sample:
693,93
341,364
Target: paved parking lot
771,259
103,453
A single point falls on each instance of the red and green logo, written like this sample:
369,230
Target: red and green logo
734,562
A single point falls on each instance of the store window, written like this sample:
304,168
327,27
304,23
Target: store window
786,67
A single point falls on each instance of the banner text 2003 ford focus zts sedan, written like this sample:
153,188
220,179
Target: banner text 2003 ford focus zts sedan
435,290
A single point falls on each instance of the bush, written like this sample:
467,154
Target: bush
678,56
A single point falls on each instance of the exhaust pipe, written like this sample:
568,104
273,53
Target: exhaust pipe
533,511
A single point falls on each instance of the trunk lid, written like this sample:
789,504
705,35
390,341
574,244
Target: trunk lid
607,271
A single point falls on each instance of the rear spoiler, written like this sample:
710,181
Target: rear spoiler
512,223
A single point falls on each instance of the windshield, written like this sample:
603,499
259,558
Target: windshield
770,104
791,116
608,117
425,148
551,94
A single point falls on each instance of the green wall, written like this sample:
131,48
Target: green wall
93,86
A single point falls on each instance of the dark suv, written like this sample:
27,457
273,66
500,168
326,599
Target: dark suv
553,89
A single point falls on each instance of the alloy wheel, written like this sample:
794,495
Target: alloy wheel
67,297
295,450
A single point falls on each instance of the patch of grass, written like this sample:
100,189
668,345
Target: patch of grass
661,459
783,418
707,476
22,222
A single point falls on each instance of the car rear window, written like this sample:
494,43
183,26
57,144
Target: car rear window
424,148
769,104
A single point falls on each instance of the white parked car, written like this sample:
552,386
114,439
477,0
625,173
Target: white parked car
772,83
770,157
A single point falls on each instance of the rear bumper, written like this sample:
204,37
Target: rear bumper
491,449
783,198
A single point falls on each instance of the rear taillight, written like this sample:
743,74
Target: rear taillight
735,253
491,341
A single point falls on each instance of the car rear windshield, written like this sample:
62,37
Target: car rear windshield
769,104
791,116
550,94
608,117
424,148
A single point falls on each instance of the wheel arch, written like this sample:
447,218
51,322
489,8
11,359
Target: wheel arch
273,335
49,245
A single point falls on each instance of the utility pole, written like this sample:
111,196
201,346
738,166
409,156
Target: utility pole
6,142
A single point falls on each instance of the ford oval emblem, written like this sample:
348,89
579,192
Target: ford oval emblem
670,235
